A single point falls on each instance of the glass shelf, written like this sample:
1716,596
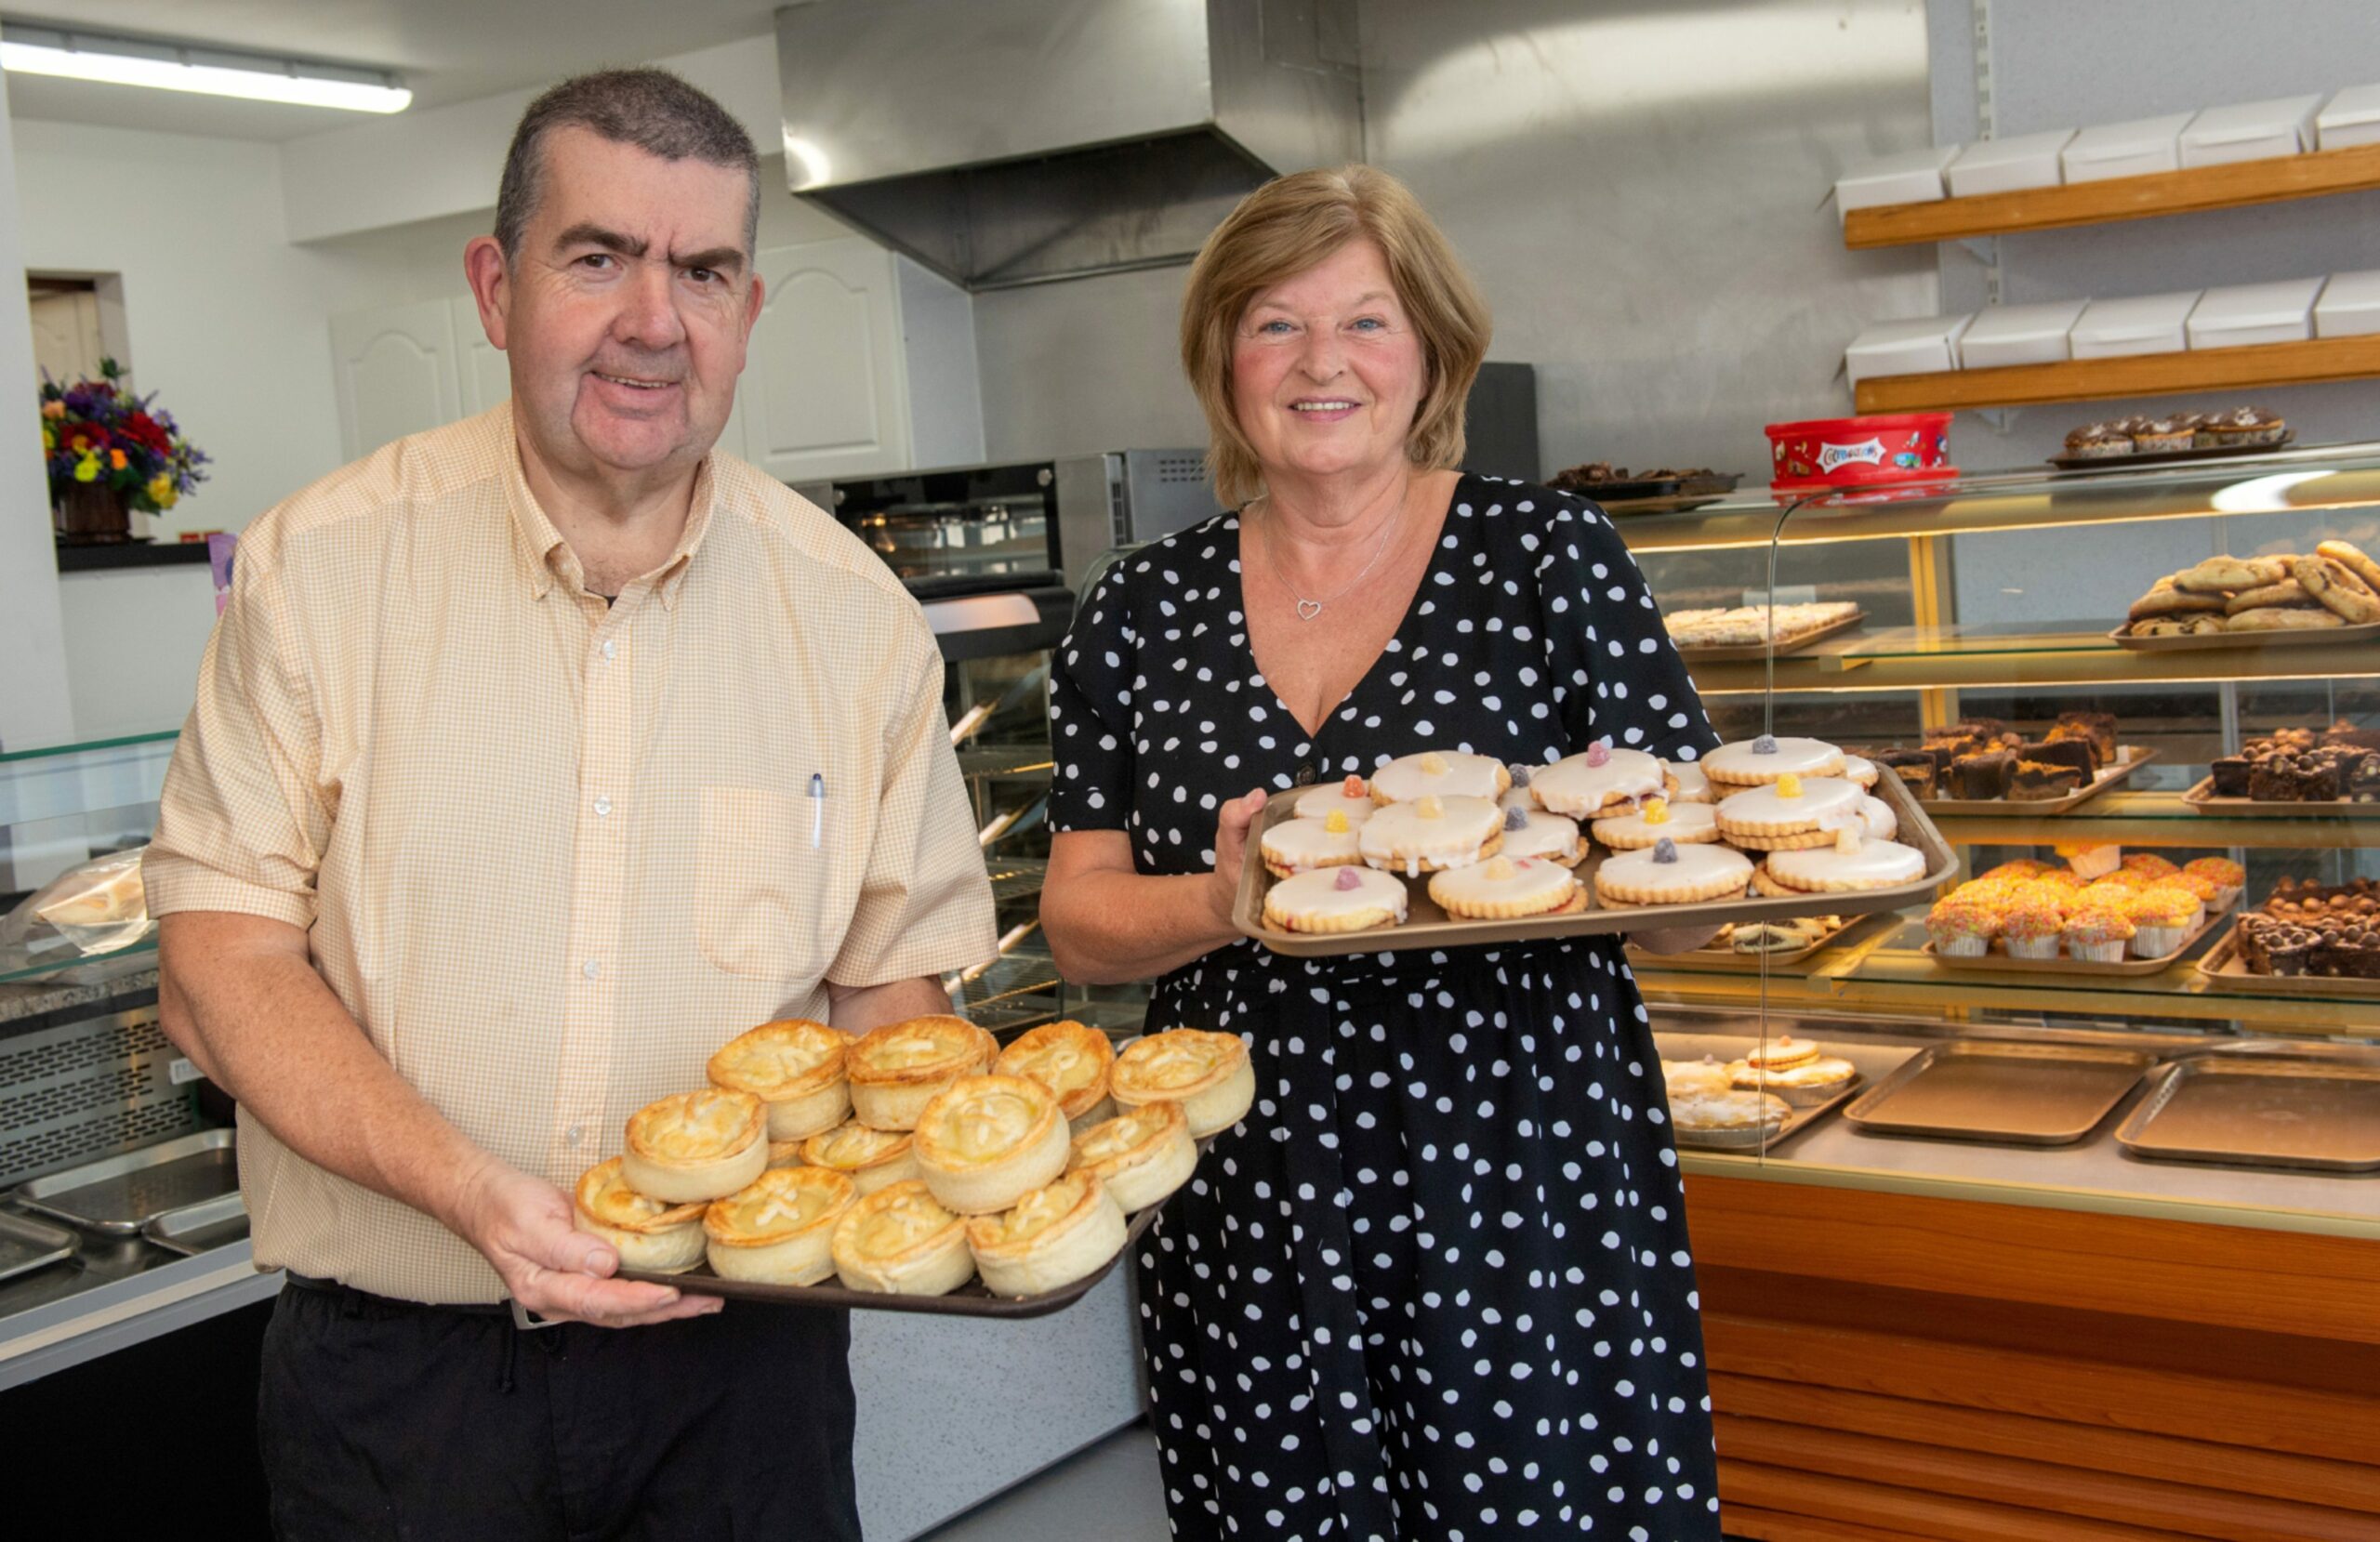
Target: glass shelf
2158,819
1911,658
21,967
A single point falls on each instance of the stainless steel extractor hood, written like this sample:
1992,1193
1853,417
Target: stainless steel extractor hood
1003,142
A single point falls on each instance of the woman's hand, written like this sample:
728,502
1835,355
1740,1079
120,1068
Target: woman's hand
1672,939
1232,824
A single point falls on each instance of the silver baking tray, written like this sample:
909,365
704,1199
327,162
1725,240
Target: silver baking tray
121,1194
2011,1093
2264,1112
201,1227
27,1245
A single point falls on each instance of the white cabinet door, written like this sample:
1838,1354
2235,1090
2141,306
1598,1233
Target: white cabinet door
486,378
395,371
823,393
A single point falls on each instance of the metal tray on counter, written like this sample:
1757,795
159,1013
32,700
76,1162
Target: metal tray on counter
27,1245
2264,1112
2012,1093
201,1227
1428,927
121,1194
1790,642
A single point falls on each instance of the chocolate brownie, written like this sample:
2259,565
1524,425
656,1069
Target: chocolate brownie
2040,779
2099,728
2302,778
1917,768
1985,773
2230,775
2062,752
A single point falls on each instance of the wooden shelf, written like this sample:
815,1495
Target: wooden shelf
2318,173
2300,363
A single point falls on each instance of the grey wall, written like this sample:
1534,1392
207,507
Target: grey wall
1635,185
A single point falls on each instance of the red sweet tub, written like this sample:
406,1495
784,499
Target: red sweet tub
1861,452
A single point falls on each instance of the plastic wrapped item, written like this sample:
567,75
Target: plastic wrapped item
98,907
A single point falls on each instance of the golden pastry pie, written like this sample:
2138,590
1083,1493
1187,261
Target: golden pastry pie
781,1230
871,1158
901,1242
646,1233
1053,1236
896,1070
1208,1075
986,1141
795,1069
784,1153
695,1145
1141,1156
1072,1060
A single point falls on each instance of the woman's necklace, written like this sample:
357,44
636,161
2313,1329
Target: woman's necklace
1309,609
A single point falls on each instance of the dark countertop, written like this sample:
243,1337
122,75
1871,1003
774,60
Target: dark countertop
84,985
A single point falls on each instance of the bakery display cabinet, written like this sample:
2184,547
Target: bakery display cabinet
2091,1248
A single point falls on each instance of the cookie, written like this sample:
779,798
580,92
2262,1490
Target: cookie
2287,592
2165,599
1669,874
2230,574
1431,833
1505,889
1336,899
2277,619
2350,556
2336,587
2175,626
1688,823
1303,844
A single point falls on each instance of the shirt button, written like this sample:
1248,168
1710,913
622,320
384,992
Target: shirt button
576,1133
611,646
1306,776
591,967
603,807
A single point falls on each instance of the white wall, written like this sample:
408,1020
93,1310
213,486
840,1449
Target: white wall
35,703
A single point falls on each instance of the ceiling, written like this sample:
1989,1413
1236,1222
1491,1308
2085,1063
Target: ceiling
446,50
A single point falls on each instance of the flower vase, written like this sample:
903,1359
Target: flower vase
93,514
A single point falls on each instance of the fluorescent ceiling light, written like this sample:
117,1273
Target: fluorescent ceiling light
114,61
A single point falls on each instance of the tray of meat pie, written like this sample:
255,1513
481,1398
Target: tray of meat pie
950,1177
2260,1111
1451,849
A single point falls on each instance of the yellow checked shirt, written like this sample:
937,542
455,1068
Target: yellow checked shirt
552,854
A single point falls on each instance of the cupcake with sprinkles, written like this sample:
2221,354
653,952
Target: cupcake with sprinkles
2098,934
2228,876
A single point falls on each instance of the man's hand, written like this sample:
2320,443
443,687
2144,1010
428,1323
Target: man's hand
526,1229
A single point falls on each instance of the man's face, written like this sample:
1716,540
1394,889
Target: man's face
625,312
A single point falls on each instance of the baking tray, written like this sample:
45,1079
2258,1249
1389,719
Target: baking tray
2014,1093
2201,801
2134,757
27,1245
2262,1111
1729,960
1427,927
2000,963
1714,484
969,1300
2170,458
2224,970
1797,1120
1727,653
2245,640
200,1227
121,1194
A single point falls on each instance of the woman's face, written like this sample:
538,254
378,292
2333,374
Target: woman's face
1325,369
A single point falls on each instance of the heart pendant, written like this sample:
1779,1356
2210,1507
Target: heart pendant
1309,609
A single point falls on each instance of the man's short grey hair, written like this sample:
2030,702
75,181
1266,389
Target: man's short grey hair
653,110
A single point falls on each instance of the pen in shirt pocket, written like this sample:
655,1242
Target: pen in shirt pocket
817,808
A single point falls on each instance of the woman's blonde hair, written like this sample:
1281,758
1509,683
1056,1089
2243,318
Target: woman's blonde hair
1285,228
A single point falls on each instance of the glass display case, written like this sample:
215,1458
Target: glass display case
1994,609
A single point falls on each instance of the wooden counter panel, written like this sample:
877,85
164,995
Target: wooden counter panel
1895,1510
2321,1286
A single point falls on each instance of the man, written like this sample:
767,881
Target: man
534,757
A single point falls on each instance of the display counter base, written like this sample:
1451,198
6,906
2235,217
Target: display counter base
1905,1368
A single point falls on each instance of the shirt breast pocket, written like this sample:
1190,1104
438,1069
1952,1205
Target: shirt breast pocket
762,886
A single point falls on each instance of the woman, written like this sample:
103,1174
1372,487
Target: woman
1438,1284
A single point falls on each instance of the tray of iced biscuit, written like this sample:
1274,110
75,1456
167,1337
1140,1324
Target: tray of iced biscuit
2306,939
2100,912
1751,1100
2330,594
2279,774
917,1168
1449,849
1753,631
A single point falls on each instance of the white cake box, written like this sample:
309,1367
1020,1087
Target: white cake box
2019,334
2250,131
1925,345
2133,149
2008,166
2352,118
2349,306
2240,314
1912,176
2143,323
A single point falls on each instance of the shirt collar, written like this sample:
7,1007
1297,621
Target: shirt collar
545,559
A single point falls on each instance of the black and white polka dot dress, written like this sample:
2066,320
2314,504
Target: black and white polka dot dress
1438,1284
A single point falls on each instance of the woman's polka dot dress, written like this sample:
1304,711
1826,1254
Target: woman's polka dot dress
1438,1284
